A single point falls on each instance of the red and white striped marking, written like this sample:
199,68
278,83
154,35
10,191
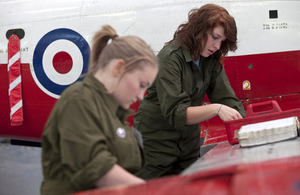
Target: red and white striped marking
15,80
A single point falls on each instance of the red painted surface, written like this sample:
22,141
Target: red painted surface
36,106
272,76
209,182
276,177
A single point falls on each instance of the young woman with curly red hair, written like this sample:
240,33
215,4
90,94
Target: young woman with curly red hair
190,67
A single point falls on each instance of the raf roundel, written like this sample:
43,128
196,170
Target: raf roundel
59,59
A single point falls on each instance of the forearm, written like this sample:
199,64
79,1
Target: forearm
118,176
198,114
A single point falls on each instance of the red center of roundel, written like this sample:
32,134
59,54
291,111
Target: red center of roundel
62,62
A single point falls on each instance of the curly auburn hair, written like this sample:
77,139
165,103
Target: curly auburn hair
201,21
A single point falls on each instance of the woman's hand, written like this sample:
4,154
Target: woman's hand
226,113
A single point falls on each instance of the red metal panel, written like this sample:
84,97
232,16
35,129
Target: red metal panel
271,177
38,104
274,176
270,74
273,76
209,182
36,108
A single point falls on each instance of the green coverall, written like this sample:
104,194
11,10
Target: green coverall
85,135
170,145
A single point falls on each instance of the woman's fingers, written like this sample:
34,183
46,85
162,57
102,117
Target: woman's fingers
226,113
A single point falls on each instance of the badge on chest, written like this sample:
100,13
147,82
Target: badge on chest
121,132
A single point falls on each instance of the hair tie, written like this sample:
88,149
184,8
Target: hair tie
219,109
114,36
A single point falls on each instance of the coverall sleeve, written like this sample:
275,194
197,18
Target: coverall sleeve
172,99
220,90
84,152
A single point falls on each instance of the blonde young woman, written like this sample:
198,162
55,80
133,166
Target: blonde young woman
86,142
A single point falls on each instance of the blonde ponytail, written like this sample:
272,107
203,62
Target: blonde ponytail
100,41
